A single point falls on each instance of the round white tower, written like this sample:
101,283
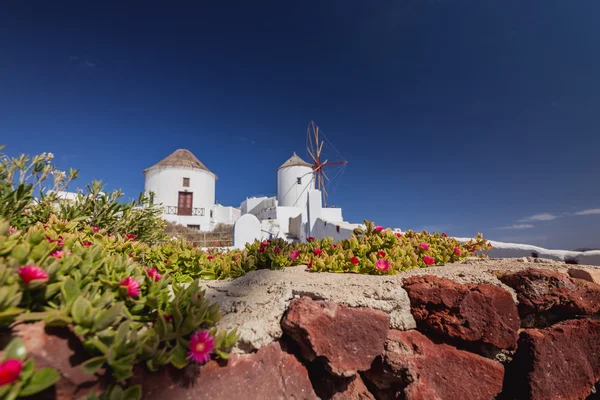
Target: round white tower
185,188
294,179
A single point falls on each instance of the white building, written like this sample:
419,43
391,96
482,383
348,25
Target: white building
186,189
297,212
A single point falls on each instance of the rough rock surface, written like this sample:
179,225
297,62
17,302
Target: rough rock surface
256,302
559,362
348,339
587,274
58,348
467,313
415,368
541,291
269,373
330,387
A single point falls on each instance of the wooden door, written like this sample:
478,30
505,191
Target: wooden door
184,203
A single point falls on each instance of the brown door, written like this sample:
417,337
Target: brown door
184,204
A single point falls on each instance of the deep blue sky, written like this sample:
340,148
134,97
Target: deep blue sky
454,115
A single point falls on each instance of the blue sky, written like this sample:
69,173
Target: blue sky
458,115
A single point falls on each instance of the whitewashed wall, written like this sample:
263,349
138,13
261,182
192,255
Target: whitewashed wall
289,192
515,250
225,215
332,214
324,229
166,183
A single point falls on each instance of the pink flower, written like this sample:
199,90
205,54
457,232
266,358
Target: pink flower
153,274
168,317
378,228
261,249
60,253
210,257
133,286
109,235
424,246
474,249
30,273
87,243
429,260
355,260
457,251
10,371
130,236
317,251
398,234
130,254
310,239
11,230
202,345
194,246
381,254
269,240
334,246
95,229
382,265
309,265
277,250
444,235
45,227
294,254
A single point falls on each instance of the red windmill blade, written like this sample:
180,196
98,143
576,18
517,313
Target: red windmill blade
315,150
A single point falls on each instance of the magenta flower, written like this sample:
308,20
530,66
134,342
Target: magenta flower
210,257
457,251
429,260
60,253
30,273
310,239
133,286
309,265
87,243
354,260
444,235
131,255
202,345
153,274
277,250
398,234
382,265
130,236
378,228
168,317
334,246
261,249
264,244
11,230
10,371
380,254
95,229
424,246
317,251
294,254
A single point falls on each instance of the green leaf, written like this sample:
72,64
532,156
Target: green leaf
106,318
15,349
27,370
80,310
116,393
14,391
133,393
161,326
179,357
70,291
92,365
41,380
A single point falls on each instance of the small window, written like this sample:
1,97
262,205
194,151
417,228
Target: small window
299,181
211,213
194,227
186,182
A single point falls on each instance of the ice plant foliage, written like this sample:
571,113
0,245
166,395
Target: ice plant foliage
133,286
202,345
30,273
10,371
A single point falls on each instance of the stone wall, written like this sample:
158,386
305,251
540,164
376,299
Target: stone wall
481,330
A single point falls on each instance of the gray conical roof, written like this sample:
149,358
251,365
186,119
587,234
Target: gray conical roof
295,161
181,158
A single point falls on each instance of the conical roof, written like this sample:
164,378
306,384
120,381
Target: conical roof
295,161
181,158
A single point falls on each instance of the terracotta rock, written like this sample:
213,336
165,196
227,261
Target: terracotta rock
347,338
58,348
468,313
559,362
269,373
415,368
587,274
331,387
541,291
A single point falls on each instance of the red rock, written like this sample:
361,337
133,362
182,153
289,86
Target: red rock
587,274
347,338
541,290
415,368
331,387
559,362
356,390
58,348
468,313
269,373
